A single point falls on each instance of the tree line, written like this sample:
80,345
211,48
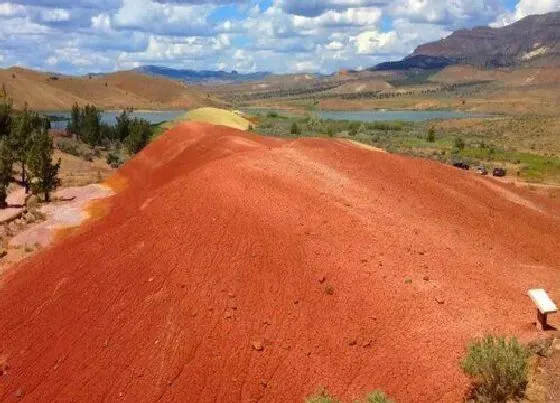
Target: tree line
25,142
133,133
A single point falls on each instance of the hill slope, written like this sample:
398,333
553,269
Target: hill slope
207,279
534,40
119,90
201,75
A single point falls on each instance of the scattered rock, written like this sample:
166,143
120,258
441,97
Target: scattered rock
3,253
329,290
440,300
257,346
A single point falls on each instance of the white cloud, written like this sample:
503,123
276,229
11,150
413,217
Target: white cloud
525,8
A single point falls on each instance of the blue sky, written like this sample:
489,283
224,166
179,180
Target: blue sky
80,36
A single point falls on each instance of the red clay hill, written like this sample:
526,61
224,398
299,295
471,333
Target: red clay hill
238,268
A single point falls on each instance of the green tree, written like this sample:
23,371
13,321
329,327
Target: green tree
6,165
139,137
23,127
5,114
75,123
295,129
44,174
431,135
122,129
354,127
90,125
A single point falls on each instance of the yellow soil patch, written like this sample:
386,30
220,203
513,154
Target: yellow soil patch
215,116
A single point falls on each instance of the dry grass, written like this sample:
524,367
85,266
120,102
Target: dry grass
113,91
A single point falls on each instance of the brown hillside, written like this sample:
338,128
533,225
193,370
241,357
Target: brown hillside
42,91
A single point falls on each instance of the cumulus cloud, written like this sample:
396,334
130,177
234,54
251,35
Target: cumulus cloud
525,8
80,36
314,8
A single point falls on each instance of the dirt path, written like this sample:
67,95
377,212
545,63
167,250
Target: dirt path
233,267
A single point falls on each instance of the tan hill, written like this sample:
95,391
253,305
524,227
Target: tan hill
43,91
508,77
214,116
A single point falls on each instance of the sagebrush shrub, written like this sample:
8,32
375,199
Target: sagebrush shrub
498,368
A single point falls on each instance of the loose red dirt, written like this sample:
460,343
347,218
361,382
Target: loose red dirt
232,267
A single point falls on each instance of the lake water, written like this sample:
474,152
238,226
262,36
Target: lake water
110,117
377,115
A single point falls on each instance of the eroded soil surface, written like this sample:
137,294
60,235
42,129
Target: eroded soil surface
231,267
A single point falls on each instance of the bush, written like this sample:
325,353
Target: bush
69,148
431,135
498,368
322,396
378,396
459,143
295,130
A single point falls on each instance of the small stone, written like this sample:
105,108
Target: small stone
258,346
151,279
18,393
322,279
367,344
121,394
408,281
352,342
169,382
329,290
3,253
263,383
232,295
296,302
426,278
440,300
228,315
421,253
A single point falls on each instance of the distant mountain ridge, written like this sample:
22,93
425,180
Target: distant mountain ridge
201,75
532,41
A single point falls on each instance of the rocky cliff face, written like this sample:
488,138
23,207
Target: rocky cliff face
535,40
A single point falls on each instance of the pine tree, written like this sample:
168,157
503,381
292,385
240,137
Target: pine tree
74,124
123,126
44,174
20,139
139,137
6,165
5,113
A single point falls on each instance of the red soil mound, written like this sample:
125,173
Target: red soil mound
206,280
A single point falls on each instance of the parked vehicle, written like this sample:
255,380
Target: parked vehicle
462,165
481,170
500,172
